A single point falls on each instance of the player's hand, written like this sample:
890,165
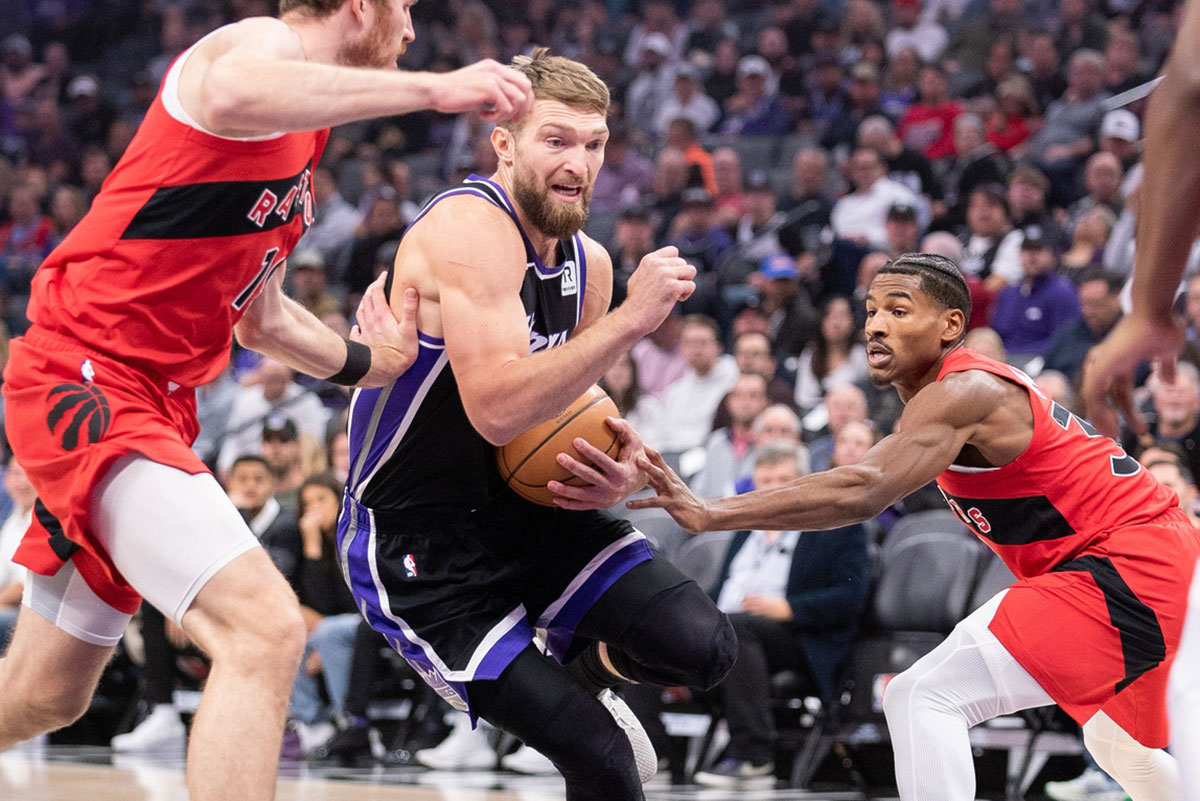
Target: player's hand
393,341
608,480
1108,369
771,608
499,92
661,280
690,512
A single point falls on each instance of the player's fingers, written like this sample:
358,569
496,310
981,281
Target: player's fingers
501,106
686,288
654,502
355,333
573,505
654,475
1122,393
518,94
587,494
599,459
668,252
588,473
408,313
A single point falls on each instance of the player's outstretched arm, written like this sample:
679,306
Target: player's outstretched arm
935,425
477,260
381,345
253,79
1167,225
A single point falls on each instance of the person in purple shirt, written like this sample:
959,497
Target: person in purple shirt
626,177
1027,314
756,108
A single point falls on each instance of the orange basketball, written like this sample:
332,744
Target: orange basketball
530,460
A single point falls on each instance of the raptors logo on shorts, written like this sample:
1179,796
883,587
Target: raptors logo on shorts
85,409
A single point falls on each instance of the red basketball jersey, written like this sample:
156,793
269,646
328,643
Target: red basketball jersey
184,233
1059,499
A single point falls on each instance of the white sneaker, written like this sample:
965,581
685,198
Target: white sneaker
315,734
643,751
162,730
464,749
528,761
1091,785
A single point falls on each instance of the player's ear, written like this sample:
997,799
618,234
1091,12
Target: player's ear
504,142
954,324
359,9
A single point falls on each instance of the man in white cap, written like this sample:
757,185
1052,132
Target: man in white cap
755,109
687,100
1119,135
652,86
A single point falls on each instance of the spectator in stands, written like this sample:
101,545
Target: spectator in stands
754,353
682,134
836,356
286,450
794,599
12,575
1176,411
1175,476
642,410
382,224
899,88
1000,65
25,237
708,25
1099,311
1120,133
786,303
251,486
19,74
827,95
690,402
976,162
49,143
1057,387
808,204
1122,61
755,109
721,83
927,126
1044,67
632,239
970,45
1009,123
730,196
1080,27
991,246
329,614
1088,241
909,30
214,406
904,164
659,357
841,135
1102,176
93,169
860,215
789,78
852,442
695,232
671,177
67,207
903,229
651,87
310,283
89,115
729,450
687,100
1028,189
986,341
333,230
626,177
1027,314
274,393
756,232
659,24
843,404
1068,133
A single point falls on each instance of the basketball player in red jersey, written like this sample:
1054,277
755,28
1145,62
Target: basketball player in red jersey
1102,554
1167,226
185,244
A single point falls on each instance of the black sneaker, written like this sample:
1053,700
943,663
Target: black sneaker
348,743
730,772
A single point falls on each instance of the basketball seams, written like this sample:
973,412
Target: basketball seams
549,437
607,450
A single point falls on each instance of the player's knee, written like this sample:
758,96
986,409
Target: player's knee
53,705
265,631
901,697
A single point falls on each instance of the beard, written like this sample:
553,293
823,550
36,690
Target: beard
374,47
558,220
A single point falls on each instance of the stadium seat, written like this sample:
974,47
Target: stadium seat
700,558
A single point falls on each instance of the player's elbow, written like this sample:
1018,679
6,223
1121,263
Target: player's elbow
496,431
863,494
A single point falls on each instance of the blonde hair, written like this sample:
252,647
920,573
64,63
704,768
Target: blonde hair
562,79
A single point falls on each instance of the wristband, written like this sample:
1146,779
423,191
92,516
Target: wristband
358,363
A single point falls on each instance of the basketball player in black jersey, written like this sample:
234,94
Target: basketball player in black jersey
524,615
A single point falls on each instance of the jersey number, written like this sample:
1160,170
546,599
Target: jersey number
269,265
1122,465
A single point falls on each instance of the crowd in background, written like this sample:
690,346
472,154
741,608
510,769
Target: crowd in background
788,148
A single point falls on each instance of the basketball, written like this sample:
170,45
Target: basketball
529,462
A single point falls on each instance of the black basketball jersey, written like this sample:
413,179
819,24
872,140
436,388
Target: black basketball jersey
411,444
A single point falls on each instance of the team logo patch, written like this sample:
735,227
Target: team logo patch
410,566
90,413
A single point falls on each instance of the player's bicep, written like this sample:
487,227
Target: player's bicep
222,64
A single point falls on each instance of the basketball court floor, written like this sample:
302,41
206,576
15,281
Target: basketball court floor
83,773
